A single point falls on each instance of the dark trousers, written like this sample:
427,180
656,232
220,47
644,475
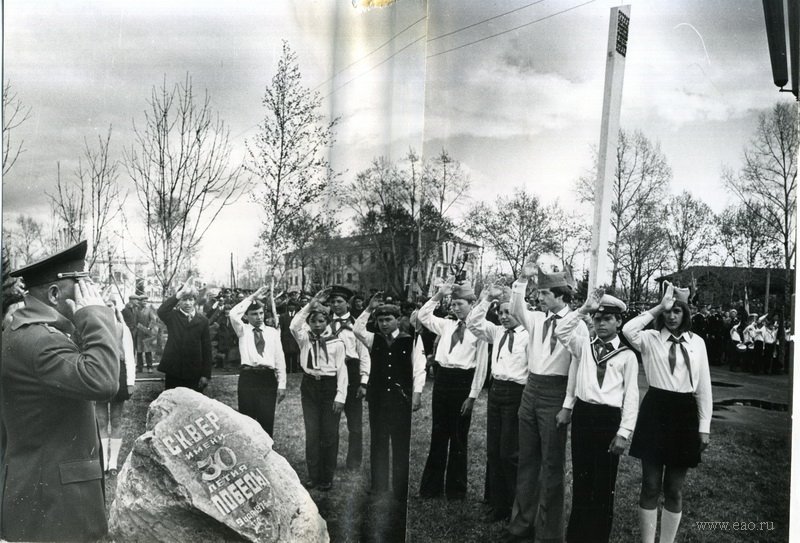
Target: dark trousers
449,431
502,443
148,357
354,413
539,502
292,362
322,427
758,358
389,424
734,356
594,472
171,381
258,394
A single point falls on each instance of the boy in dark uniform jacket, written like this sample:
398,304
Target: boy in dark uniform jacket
186,361
393,391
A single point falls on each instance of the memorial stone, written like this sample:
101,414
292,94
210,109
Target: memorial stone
204,472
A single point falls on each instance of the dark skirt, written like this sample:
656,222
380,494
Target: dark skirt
122,393
667,429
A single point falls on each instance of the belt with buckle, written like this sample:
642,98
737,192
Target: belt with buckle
320,377
257,368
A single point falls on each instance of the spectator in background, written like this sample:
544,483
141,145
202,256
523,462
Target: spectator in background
291,351
109,414
129,313
146,336
186,361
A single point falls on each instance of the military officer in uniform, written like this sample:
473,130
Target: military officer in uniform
59,355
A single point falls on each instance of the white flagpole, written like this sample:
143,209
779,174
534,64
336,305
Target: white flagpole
609,135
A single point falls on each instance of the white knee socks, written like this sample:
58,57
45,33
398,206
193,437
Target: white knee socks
647,524
104,447
114,447
669,525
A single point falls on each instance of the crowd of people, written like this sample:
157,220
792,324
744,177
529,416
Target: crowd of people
552,365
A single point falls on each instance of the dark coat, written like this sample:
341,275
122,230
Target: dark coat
287,339
54,474
187,354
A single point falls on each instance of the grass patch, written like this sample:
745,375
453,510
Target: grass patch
744,477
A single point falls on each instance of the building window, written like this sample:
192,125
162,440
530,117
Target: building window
349,260
360,258
349,277
338,277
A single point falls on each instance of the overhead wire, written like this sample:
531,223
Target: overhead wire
510,30
484,21
381,46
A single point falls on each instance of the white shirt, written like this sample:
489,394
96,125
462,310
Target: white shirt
352,347
130,357
620,382
540,360
272,357
418,355
749,333
507,366
654,346
326,366
770,335
471,353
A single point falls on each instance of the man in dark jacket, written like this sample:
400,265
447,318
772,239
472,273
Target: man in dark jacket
58,357
186,361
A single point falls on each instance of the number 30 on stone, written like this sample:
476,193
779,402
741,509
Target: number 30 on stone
223,459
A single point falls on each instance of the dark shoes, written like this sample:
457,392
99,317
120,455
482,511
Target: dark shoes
310,484
325,486
493,515
508,537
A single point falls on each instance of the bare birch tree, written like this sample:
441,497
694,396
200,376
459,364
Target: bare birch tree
90,205
767,182
181,169
14,114
641,177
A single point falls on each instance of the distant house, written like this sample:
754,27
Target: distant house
367,265
725,285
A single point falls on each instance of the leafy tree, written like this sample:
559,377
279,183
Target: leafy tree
690,228
24,241
643,252
745,237
515,228
288,156
403,225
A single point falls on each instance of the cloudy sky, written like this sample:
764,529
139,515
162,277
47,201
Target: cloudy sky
518,109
